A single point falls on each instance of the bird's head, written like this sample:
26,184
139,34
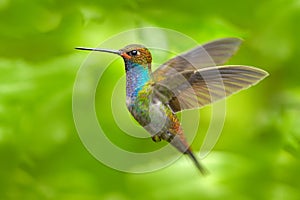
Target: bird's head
136,53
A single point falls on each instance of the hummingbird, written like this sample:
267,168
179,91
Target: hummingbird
190,80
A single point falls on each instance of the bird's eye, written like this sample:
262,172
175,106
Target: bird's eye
133,53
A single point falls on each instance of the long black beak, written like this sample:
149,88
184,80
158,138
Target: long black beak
102,50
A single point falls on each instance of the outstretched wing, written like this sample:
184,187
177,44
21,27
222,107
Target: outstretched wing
195,89
210,54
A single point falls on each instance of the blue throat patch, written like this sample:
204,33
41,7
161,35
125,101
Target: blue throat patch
136,77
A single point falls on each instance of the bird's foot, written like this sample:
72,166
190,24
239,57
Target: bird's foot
156,138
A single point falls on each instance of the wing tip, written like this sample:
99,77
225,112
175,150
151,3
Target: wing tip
232,40
262,73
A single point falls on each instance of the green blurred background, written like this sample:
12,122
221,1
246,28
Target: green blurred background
41,155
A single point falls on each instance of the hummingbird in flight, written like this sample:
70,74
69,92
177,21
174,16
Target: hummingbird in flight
188,81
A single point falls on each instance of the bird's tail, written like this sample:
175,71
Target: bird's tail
180,143
196,162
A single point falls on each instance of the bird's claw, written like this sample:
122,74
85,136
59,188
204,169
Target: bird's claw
156,138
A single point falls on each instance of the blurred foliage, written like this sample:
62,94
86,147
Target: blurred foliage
42,157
